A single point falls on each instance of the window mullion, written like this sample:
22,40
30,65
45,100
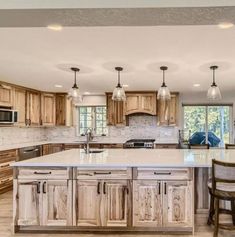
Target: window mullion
206,128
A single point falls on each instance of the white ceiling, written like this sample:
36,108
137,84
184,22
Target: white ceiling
40,58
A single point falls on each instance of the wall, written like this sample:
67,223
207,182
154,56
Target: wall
13,135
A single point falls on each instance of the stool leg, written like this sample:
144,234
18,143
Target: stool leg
211,211
233,211
216,228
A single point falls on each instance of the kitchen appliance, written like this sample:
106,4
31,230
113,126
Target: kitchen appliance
8,116
139,143
29,152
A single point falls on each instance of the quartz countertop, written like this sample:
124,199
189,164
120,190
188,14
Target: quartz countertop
122,158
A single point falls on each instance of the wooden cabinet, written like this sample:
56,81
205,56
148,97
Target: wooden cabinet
20,105
48,109
112,146
6,173
6,95
166,146
33,108
168,110
163,198
52,148
141,103
64,110
41,201
147,203
115,111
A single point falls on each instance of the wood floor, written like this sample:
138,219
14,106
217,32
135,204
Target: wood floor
6,228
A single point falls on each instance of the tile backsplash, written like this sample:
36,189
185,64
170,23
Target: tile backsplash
15,135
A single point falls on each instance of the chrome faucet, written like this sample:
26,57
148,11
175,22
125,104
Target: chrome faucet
89,138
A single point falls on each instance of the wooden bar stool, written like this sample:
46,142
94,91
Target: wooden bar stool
229,146
198,146
221,187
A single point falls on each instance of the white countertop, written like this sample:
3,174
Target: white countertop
131,158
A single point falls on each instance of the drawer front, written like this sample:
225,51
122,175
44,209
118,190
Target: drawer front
166,146
5,170
163,173
103,174
6,184
73,146
25,173
8,155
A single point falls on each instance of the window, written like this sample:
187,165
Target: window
93,117
209,120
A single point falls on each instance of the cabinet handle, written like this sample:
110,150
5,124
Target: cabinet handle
102,173
29,122
159,188
98,188
127,190
27,151
44,187
165,188
38,187
42,172
104,188
162,173
4,166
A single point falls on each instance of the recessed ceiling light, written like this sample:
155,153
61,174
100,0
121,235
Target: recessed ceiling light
87,93
55,27
58,86
225,25
196,85
125,85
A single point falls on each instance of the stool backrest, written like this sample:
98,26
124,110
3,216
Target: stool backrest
222,172
199,146
229,146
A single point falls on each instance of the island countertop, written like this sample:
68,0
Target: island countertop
123,158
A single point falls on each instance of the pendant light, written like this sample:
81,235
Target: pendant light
74,91
213,92
163,92
118,92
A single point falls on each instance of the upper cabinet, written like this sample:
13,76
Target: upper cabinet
6,95
168,110
20,105
115,111
48,109
141,103
33,108
64,111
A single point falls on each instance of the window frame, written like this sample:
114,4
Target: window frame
231,128
93,121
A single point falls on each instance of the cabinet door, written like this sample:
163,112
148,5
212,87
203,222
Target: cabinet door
20,105
29,202
178,204
117,203
5,95
148,103
57,202
147,203
64,111
48,109
87,203
33,108
173,110
132,103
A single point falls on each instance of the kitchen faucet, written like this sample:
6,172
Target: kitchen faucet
89,138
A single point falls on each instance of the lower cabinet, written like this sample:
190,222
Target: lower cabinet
44,203
102,203
52,148
162,203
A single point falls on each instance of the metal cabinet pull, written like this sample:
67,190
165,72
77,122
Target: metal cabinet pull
165,188
27,151
102,173
35,172
44,187
127,190
162,173
38,187
98,188
159,188
4,166
104,188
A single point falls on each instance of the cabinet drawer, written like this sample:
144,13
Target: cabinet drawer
8,155
5,170
30,173
103,174
163,173
166,146
6,184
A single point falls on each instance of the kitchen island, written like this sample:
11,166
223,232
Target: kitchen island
112,190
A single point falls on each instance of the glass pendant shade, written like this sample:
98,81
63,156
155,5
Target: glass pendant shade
163,92
118,92
213,92
74,92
